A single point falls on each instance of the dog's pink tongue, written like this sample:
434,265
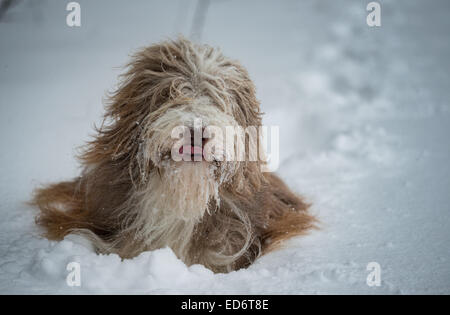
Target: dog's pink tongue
196,151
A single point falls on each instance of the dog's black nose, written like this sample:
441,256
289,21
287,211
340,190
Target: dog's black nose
198,134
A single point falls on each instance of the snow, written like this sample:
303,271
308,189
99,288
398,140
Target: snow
364,120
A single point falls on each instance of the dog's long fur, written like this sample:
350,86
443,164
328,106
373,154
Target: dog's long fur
132,198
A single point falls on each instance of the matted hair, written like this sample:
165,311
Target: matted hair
131,197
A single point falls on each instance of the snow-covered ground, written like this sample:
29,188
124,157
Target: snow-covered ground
364,116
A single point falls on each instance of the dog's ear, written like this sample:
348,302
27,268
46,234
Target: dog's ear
118,139
152,78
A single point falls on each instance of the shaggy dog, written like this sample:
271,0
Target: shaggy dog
133,197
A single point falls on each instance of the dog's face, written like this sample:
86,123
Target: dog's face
185,145
169,120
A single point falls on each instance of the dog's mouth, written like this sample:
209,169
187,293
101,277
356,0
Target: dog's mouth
193,151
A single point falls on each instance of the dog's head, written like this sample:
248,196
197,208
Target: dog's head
168,126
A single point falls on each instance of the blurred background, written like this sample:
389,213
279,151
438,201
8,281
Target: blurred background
364,120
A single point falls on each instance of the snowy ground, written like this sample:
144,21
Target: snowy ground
364,117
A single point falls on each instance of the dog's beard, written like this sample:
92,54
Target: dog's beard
175,198
184,190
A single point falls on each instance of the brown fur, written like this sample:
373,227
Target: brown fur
254,211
